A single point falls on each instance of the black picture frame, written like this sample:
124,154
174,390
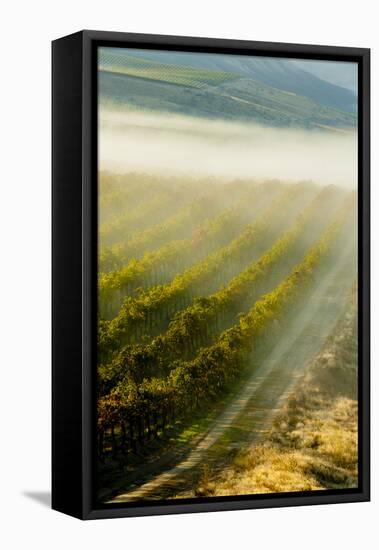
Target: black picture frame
74,294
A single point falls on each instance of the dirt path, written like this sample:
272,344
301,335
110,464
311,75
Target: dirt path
250,414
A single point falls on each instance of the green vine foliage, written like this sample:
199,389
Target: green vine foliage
141,402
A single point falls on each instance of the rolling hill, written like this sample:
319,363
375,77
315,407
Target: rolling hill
214,94
285,74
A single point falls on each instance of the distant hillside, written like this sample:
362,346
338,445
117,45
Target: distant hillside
120,63
343,74
209,93
285,74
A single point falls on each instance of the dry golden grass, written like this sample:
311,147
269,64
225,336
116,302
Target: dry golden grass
313,443
321,452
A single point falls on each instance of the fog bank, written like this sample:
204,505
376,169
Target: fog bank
175,145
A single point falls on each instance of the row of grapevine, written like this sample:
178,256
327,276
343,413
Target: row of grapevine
141,411
118,191
158,208
152,309
198,324
182,223
158,267
130,65
179,224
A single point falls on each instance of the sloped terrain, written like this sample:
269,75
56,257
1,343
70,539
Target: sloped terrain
197,351
209,93
280,73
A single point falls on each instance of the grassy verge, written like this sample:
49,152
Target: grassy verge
313,441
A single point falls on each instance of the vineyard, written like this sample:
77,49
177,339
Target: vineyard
197,280
133,81
119,63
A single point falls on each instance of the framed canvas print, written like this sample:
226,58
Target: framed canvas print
210,274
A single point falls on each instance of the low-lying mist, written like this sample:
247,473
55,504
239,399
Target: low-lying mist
166,144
